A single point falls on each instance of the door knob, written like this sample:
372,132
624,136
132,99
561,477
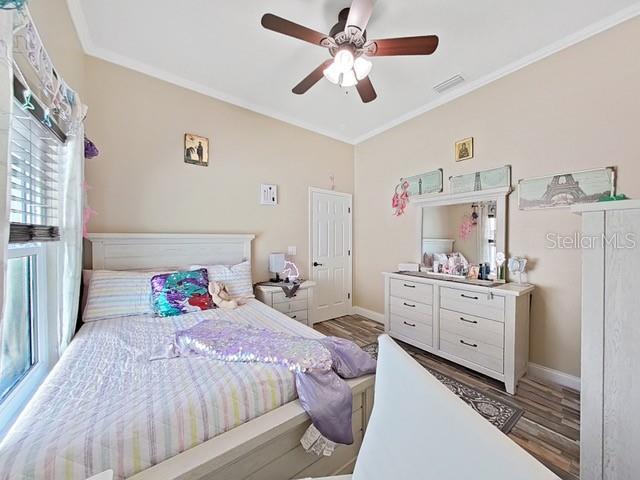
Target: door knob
316,264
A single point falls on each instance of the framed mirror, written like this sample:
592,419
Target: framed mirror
463,236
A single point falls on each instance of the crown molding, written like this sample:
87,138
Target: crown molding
82,30
90,48
464,89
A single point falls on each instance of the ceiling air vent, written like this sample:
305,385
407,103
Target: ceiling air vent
450,83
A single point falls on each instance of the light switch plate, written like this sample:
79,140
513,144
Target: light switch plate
268,194
292,251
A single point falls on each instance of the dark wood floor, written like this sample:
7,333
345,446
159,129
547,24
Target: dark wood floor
550,426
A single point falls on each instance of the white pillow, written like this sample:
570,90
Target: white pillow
237,278
118,294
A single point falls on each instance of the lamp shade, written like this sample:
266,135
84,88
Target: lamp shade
276,262
332,73
362,67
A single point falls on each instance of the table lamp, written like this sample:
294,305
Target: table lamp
276,265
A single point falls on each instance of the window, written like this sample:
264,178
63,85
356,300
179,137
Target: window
24,348
34,175
19,330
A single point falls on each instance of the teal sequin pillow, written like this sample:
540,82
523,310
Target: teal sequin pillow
181,292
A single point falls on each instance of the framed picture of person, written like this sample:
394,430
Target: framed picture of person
196,149
464,149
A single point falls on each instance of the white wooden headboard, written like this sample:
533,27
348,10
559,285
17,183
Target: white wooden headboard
131,251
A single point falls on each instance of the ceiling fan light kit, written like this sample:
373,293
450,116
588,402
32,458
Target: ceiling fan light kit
349,78
347,43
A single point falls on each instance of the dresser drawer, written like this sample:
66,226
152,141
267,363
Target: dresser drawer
280,297
300,316
291,306
477,328
414,311
480,353
472,303
418,292
411,330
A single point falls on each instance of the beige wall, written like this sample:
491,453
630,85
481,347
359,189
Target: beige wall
575,110
141,184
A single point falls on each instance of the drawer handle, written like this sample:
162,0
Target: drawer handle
408,305
474,345
467,296
409,324
468,321
409,286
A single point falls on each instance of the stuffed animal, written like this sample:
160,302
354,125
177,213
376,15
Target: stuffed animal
221,296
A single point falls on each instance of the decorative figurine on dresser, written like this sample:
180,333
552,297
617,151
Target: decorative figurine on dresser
459,305
286,291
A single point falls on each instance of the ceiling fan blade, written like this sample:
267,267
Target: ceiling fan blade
311,79
425,45
284,26
359,14
366,90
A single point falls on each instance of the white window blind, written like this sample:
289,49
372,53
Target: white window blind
35,157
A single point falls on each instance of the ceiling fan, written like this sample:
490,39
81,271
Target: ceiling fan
348,45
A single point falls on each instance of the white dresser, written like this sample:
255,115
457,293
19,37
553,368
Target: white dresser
484,329
296,307
610,382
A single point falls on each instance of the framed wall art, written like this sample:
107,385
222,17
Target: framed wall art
464,149
196,149
430,182
483,180
566,189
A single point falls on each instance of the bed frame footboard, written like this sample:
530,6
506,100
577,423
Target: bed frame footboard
268,447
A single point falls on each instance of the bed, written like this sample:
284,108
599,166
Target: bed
106,406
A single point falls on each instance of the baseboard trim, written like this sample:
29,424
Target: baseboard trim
555,376
370,314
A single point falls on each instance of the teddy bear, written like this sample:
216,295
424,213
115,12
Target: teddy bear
221,296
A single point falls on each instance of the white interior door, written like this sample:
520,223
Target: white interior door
330,254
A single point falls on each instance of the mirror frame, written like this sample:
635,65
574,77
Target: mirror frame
499,195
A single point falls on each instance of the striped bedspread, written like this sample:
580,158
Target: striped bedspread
105,405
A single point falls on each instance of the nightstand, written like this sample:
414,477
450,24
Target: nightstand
296,307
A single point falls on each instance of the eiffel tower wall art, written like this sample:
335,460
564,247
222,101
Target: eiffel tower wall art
565,189
483,180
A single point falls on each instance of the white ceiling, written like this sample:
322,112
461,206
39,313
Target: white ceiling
217,47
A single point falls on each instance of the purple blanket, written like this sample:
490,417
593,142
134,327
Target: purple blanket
318,365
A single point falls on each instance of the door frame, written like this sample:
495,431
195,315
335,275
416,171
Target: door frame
349,196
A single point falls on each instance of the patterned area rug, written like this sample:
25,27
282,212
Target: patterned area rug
501,414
